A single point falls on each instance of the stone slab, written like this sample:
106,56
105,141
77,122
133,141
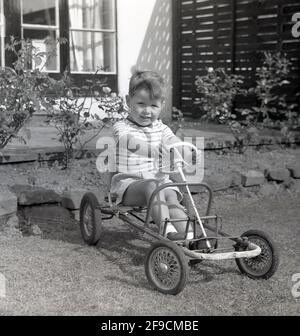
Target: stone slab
295,171
32,195
71,199
278,175
252,178
8,202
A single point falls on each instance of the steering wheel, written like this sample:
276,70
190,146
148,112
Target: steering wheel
179,162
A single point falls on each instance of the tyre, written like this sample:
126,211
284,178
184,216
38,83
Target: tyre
166,267
264,265
90,219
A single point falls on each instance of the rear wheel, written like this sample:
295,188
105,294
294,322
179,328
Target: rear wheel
166,267
90,219
266,263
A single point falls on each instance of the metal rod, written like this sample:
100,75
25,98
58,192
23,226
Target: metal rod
177,184
193,205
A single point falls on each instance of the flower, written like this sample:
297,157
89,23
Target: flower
106,90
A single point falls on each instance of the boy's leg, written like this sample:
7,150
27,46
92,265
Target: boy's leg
139,193
177,212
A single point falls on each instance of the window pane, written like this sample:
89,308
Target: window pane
44,41
90,51
42,12
92,14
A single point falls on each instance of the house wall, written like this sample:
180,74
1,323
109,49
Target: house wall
145,41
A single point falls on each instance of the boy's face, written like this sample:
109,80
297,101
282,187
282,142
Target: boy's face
142,109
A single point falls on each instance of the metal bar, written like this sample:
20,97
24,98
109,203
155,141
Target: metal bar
175,184
39,26
136,216
93,30
253,252
142,228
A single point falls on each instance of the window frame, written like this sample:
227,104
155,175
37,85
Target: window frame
55,28
12,12
112,31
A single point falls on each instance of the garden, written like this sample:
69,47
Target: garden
251,160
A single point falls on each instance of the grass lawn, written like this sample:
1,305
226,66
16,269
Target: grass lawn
57,274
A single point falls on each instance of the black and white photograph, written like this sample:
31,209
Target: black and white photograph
149,161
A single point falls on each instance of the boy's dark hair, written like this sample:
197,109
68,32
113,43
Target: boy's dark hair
148,80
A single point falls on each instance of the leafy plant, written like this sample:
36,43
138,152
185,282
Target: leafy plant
270,76
22,88
273,109
112,107
71,112
218,90
177,120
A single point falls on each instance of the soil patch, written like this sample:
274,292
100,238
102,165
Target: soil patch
83,174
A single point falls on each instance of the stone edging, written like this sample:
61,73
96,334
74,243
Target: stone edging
23,196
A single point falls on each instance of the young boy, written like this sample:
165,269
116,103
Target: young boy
141,138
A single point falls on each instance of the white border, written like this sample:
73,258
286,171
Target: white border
2,34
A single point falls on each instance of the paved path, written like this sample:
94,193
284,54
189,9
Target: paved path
43,141
42,136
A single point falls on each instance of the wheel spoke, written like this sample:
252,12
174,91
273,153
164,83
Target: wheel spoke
260,264
166,267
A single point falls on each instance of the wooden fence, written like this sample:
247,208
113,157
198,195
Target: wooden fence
231,34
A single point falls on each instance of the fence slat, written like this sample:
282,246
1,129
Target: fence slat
231,34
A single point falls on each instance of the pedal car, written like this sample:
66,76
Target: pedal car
168,259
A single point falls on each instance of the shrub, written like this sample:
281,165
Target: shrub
22,88
218,90
273,109
71,112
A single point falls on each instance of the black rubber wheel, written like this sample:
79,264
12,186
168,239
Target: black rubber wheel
264,265
166,267
90,219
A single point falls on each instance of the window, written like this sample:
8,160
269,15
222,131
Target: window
2,33
88,25
40,23
92,36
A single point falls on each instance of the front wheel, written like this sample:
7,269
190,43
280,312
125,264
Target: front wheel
266,263
166,267
90,219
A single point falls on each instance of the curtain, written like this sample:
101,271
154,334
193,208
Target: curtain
88,49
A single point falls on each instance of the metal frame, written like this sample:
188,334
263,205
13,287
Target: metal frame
125,213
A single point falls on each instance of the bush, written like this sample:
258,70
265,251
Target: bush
22,89
26,88
273,109
71,113
218,90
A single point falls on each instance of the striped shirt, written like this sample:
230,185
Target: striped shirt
131,161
